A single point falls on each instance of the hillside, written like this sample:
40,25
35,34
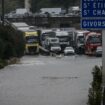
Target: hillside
11,5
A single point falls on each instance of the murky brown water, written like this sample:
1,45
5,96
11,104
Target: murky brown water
47,81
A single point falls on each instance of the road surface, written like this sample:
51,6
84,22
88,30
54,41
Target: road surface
39,80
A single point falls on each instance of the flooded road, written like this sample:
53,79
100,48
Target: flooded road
39,80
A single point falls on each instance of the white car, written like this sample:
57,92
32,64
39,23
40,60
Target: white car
98,51
55,48
69,51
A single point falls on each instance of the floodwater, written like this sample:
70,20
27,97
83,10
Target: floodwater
45,80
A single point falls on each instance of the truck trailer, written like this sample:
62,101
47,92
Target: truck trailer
31,37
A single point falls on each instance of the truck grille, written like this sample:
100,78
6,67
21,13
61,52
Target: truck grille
32,49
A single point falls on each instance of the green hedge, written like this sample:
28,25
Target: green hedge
95,92
11,43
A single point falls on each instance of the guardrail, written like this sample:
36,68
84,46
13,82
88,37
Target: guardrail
47,21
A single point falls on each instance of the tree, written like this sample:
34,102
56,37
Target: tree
37,4
12,43
11,5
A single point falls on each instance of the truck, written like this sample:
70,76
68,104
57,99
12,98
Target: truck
45,33
48,41
20,25
92,41
31,42
31,37
78,41
64,38
52,44
71,32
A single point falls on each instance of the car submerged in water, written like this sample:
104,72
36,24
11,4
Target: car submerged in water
69,51
98,51
55,48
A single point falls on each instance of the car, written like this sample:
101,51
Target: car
98,51
69,51
55,48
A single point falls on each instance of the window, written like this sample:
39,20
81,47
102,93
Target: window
31,39
94,39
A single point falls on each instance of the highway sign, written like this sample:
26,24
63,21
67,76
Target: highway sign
93,8
93,23
93,14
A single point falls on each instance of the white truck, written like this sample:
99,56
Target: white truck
52,44
23,12
79,41
64,38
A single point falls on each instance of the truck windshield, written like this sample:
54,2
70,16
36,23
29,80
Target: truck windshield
55,45
81,39
45,35
63,38
54,40
94,39
31,39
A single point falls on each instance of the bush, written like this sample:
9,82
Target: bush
3,63
95,92
1,48
12,43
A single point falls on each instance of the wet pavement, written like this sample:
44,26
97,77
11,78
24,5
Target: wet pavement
45,80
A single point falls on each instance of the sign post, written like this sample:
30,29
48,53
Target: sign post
93,17
103,65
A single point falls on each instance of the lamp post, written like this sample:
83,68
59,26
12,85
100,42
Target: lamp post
2,17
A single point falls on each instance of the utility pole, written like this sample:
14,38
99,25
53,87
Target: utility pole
2,17
27,5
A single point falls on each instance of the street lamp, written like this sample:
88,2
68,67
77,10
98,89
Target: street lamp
2,16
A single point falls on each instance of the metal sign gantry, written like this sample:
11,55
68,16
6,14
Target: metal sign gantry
93,14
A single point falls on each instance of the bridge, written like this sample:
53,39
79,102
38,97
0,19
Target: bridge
49,22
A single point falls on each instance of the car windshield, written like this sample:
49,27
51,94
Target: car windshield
31,39
54,40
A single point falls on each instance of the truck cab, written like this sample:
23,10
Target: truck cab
92,41
64,38
52,44
44,34
79,41
32,42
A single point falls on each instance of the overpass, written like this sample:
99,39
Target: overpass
49,22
